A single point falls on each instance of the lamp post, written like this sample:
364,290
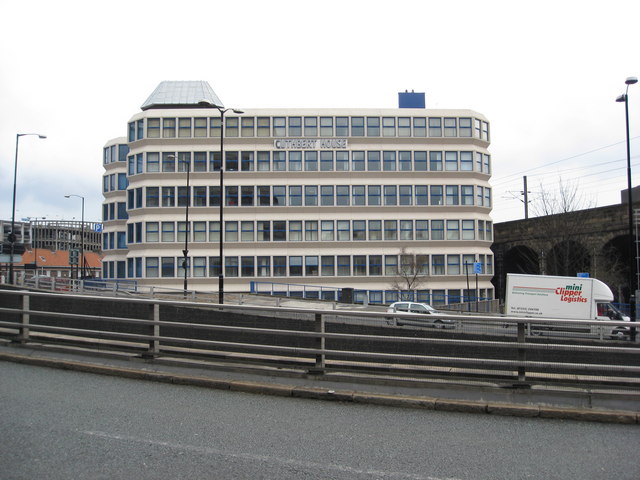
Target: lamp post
12,235
81,234
185,252
222,110
632,270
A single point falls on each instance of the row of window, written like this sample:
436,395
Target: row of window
298,231
309,196
311,161
303,266
326,126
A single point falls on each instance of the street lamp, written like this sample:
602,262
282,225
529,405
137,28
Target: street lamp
81,234
222,110
632,270
12,235
185,252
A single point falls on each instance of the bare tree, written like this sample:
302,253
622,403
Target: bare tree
411,273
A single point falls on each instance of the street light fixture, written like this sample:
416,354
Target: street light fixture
81,234
222,110
12,235
632,270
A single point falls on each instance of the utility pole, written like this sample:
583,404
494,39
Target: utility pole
525,192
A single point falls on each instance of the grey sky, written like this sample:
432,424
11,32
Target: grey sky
546,74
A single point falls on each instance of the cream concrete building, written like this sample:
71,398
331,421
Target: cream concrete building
326,198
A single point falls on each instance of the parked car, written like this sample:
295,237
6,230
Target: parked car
424,314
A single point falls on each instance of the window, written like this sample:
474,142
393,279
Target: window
373,126
295,266
435,127
264,195
453,230
422,195
200,161
436,195
214,231
311,230
422,229
357,126
199,266
486,165
279,231
214,161
468,230
184,127
435,161
168,162
489,230
279,193
200,127
310,126
214,196
437,265
452,195
153,128
342,195
153,197
390,229
295,161
247,266
215,268
311,195
231,127
199,196
342,126
214,126
264,266
390,265
199,231
246,232
279,161
419,127
453,264
327,266
231,196
122,211
359,230
231,266
279,127
406,194
406,229
326,161
184,196
168,267
230,231
168,196
264,126
231,161
375,264
153,162
246,127
263,161
311,266
343,230
466,161
357,161
359,265
151,264
246,195
450,127
342,161
344,265
437,229
404,127
326,126
388,126
264,231
390,195
420,161
374,194
168,128
375,229
295,231
358,195
183,232
295,126
465,127
326,195
310,161
389,161
280,266
404,161
246,162
451,161
466,192
373,161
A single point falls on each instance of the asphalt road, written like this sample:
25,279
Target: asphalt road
59,424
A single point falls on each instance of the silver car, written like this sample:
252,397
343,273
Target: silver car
425,314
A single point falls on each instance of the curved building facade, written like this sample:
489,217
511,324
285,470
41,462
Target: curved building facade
360,198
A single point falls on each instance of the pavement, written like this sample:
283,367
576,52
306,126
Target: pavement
611,406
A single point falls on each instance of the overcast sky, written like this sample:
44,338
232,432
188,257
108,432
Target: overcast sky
546,74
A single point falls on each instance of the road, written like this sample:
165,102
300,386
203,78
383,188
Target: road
59,424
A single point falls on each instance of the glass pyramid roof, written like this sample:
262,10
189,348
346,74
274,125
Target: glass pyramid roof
181,94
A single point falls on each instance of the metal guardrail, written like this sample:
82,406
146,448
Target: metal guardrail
320,341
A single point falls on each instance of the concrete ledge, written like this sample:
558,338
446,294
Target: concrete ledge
266,388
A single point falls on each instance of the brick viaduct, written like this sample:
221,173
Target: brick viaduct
595,241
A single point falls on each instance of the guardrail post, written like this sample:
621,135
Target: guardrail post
318,369
154,343
522,353
23,335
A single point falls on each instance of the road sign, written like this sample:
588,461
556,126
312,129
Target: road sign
477,267
97,227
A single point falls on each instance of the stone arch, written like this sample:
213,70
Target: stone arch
567,258
521,259
612,266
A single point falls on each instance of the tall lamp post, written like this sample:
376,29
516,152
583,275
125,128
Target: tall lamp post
12,235
185,252
222,110
81,234
632,270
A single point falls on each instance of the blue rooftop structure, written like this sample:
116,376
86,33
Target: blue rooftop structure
180,94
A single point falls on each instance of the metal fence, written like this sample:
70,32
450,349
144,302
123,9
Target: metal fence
360,343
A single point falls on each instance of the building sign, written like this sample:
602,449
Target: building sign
309,143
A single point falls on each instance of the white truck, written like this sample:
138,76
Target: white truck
572,298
